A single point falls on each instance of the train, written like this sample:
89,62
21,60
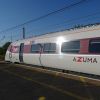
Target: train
76,50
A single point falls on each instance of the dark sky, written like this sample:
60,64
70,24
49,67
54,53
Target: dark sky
15,12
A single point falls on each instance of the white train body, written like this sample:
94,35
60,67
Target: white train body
75,50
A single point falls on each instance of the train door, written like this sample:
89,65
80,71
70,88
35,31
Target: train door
21,52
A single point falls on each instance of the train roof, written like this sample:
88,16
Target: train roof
80,29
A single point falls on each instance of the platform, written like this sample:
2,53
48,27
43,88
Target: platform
19,83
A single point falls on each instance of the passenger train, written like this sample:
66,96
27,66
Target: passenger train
75,50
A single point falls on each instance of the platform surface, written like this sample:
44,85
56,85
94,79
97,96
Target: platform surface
17,83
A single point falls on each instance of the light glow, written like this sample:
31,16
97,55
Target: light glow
60,40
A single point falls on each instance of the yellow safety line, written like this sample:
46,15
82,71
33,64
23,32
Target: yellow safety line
42,98
82,79
49,86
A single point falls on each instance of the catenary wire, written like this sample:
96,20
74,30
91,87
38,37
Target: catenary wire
72,20
44,16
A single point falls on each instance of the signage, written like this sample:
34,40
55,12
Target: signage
85,60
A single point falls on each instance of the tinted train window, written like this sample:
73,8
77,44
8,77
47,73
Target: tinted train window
71,47
35,48
49,48
94,46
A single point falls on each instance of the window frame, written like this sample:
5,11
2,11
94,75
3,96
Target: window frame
89,48
50,50
36,51
70,50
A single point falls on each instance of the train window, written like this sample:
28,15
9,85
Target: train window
94,46
71,47
46,47
35,48
49,48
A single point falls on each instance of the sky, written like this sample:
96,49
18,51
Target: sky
16,12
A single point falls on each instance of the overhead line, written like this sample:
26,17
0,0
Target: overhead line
44,16
75,19
2,38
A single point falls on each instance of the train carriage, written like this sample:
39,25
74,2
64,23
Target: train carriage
74,50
